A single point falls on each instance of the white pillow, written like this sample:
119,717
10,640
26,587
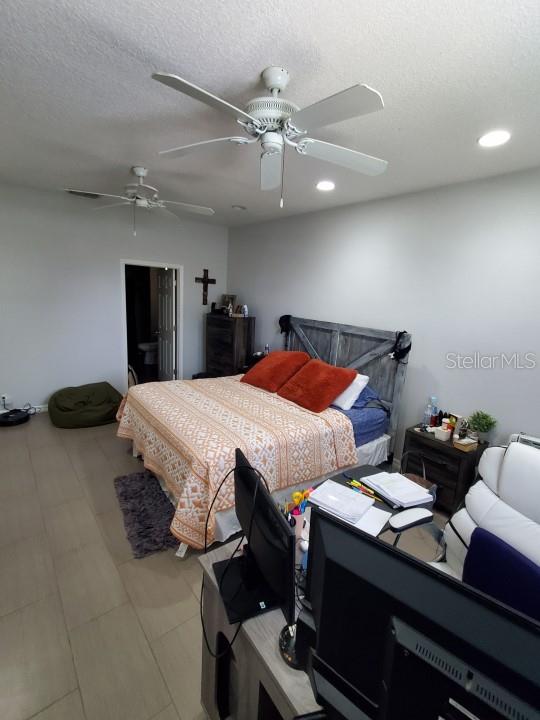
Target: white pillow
348,397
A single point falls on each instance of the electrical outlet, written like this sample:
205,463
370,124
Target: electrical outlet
5,402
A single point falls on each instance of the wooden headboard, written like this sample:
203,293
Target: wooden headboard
363,349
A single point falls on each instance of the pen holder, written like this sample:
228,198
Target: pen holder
299,526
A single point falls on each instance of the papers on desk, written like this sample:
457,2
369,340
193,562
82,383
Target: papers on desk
373,521
341,501
397,489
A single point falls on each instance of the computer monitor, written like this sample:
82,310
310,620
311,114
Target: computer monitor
263,576
397,639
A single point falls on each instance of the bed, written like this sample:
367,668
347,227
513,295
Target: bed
186,431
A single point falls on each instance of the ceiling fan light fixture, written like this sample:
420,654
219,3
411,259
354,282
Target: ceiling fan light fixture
494,138
325,185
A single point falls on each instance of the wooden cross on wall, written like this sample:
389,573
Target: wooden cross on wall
206,281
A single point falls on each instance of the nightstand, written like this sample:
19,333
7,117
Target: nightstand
451,469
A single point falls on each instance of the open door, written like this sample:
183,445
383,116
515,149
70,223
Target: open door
166,333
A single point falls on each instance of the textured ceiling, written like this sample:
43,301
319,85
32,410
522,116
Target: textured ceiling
78,106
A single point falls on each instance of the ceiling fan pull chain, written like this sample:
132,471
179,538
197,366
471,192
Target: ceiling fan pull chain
281,203
134,222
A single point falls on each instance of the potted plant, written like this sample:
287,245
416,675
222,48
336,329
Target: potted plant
482,423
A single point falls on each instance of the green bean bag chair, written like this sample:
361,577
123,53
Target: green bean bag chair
84,406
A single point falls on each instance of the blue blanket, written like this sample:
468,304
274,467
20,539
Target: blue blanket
368,423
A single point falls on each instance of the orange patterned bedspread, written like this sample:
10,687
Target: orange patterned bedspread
187,431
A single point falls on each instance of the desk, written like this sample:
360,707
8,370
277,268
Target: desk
255,683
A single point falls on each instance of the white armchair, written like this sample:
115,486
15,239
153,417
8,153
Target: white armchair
505,501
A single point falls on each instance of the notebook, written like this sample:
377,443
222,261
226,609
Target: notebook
341,501
398,489
373,521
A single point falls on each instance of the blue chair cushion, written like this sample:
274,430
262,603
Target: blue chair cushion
499,570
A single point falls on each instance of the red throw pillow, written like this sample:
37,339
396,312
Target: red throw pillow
275,369
316,385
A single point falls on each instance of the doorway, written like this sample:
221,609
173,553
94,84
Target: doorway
151,333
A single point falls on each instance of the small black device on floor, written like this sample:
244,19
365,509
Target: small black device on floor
263,577
10,418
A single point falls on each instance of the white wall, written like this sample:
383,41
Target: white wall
60,287
458,267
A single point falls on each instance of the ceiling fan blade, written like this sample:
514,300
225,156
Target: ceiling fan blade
356,100
106,207
187,207
168,210
187,149
270,170
183,86
352,159
93,195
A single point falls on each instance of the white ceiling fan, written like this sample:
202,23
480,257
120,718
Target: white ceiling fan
141,195
276,123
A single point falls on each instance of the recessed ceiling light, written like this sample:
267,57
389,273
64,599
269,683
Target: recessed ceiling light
494,138
239,208
325,185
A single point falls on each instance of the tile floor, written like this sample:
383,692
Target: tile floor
86,632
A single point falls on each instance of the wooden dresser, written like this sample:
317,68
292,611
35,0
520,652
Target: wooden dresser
229,344
451,469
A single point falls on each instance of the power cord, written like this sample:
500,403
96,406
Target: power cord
218,655
298,600
240,541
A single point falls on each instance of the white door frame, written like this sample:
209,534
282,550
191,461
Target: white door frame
179,335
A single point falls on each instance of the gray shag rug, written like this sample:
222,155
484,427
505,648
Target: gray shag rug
147,513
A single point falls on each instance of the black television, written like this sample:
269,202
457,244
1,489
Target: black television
397,639
262,578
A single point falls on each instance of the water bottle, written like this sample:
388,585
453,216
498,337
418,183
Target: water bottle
266,349
434,412
427,414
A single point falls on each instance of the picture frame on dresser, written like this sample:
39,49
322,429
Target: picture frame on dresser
228,299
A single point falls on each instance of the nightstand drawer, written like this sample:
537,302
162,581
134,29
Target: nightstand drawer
439,461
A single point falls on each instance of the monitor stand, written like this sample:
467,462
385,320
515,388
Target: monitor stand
244,591
287,646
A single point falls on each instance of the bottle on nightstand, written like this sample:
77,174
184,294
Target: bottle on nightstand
427,414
